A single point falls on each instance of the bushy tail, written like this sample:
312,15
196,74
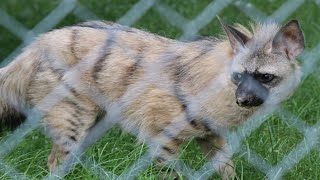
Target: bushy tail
14,80
10,118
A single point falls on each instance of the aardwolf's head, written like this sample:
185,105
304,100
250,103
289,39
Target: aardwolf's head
264,69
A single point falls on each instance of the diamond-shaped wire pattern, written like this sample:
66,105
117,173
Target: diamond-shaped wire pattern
189,29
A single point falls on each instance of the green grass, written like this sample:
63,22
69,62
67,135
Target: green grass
117,151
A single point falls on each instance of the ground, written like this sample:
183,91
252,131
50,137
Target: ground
117,151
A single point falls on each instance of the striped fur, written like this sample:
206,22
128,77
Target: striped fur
163,91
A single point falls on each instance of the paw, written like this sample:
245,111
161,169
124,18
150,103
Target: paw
229,174
167,174
227,171
55,158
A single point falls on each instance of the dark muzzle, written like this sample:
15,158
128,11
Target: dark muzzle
251,93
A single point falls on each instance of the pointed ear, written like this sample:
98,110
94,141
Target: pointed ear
289,40
236,38
244,38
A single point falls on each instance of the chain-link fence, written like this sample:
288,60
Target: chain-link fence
289,116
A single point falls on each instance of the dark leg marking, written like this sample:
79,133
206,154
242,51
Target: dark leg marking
206,125
200,124
194,123
76,105
77,116
161,159
71,89
73,138
66,152
72,123
197,124
78,112
172,137
168,149
74,131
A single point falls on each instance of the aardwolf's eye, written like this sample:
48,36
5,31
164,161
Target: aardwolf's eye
264,78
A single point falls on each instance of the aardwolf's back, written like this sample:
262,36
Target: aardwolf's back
22,84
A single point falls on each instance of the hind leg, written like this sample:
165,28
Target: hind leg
67,124
165,154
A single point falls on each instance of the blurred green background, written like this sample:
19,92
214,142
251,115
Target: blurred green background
117,151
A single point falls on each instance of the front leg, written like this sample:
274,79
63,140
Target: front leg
165,155
212,147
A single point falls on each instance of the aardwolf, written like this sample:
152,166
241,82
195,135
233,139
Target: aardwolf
161,90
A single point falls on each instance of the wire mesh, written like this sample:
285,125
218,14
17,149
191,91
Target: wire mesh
190,29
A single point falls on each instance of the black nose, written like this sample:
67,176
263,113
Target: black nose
251,93
249,101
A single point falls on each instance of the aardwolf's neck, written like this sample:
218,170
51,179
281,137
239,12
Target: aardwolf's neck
202,73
